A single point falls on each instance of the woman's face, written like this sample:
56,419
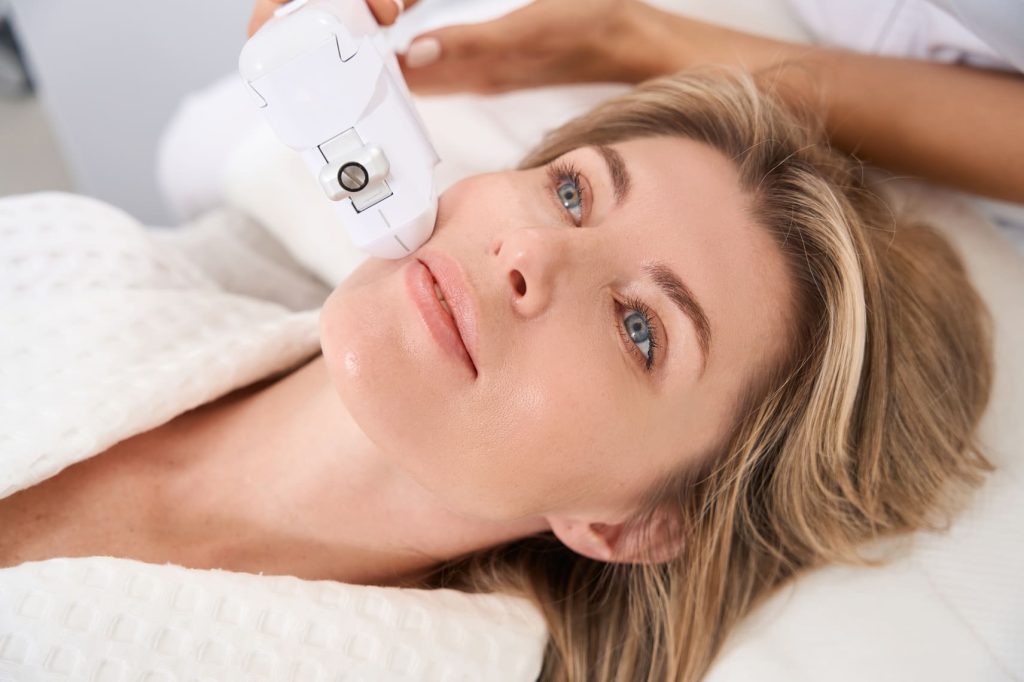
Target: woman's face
592,379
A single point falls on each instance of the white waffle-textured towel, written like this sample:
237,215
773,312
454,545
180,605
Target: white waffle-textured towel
108,332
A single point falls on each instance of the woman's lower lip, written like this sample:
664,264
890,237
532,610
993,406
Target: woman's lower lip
420,285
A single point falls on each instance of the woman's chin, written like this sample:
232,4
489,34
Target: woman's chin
380,370
398,386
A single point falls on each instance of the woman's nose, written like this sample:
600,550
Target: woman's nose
530,260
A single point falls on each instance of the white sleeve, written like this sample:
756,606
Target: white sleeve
902,28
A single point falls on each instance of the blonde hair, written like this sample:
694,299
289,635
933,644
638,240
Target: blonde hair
866,429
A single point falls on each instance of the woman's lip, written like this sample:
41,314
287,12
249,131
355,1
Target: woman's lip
459,296
420,284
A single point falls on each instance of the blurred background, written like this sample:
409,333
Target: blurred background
87,87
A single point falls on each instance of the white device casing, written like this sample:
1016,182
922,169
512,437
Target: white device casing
331,88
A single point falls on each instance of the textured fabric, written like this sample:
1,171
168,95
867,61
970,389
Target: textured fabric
112,620
108,329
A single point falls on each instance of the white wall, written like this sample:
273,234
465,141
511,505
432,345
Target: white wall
110,74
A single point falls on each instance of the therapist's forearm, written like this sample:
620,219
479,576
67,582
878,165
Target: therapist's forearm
954,125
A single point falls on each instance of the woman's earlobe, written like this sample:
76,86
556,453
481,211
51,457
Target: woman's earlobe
581,537
621,542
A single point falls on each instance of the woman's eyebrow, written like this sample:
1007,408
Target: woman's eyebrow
660,272
617,169
670,283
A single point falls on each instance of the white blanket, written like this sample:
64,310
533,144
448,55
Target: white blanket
110,329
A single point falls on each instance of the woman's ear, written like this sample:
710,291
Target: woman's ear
621,542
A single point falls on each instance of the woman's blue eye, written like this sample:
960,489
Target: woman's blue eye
565,179
639,330
569,196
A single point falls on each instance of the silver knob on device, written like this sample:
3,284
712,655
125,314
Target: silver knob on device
355,171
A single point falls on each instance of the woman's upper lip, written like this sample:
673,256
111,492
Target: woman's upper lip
459,296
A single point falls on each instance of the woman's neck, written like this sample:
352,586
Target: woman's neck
282,480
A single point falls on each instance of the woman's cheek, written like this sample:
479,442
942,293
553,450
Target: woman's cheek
551,422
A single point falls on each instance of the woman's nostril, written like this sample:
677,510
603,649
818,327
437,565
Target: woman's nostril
518,282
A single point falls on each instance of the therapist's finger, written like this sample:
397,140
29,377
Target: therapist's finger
514,50
262,10
460,57
386,12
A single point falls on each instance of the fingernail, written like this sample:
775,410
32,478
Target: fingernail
422,52
401,7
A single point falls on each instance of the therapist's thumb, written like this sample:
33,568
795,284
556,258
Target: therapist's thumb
423,51
452,44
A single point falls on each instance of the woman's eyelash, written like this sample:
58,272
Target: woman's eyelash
636,305
565,172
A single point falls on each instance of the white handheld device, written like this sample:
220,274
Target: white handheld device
331,88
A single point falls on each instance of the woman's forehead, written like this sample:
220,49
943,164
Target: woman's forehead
684,205
681,169
686,208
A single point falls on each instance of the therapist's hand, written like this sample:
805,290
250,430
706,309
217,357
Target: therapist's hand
386,11
543,43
